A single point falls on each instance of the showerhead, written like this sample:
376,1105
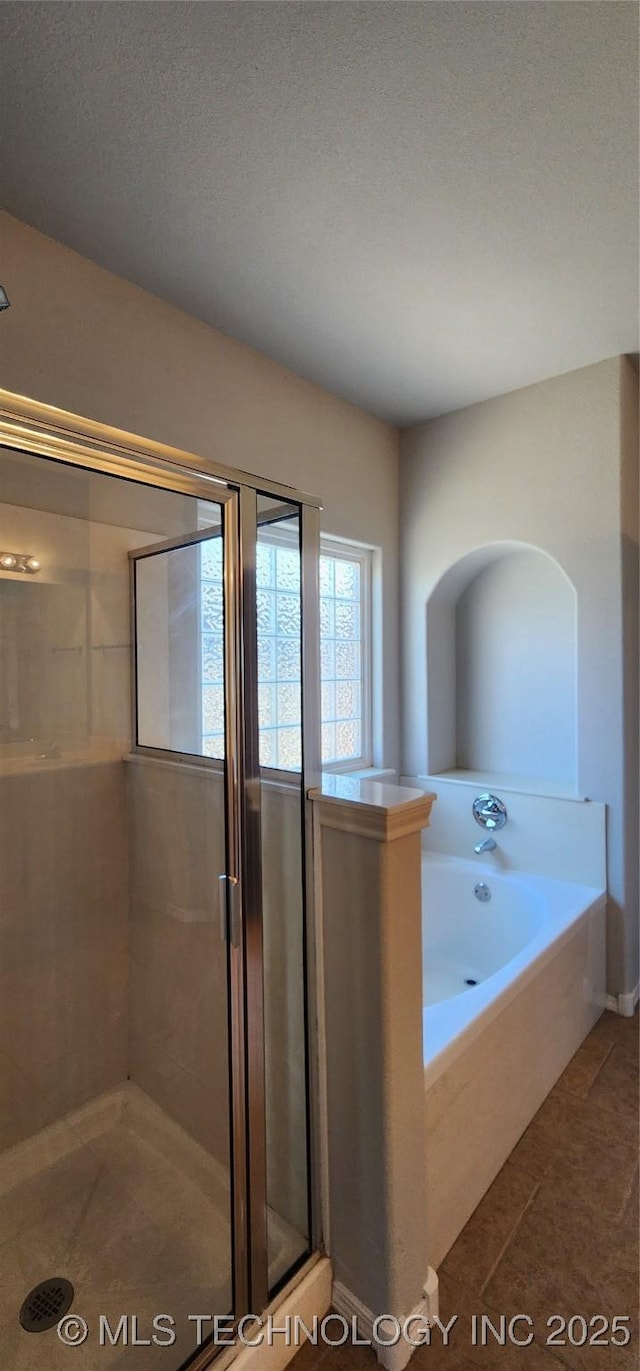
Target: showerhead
4,298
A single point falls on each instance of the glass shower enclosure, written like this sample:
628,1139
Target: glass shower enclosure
159,729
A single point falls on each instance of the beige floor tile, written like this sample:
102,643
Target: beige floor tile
630,1215
616,1087
586,1150
347,1358
476,1252
309,1357
467,1348
561,1260
624,1032
579,1075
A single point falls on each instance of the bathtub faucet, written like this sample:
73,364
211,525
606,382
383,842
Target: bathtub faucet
487,845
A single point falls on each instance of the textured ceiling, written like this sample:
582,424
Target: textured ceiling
417,205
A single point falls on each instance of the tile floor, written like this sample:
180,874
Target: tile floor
121,1201
557,1233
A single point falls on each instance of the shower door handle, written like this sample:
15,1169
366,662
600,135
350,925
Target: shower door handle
228,910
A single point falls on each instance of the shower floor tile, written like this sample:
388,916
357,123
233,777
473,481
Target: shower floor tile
121,1201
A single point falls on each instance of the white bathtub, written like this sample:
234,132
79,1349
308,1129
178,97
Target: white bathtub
493,1050
498,943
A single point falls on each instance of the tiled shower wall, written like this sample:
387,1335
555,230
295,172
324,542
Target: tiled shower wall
111,962
178,1035
64,905
65,723
177,973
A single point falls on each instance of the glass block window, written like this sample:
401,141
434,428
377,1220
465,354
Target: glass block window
345,574
279,649
212,647
344,599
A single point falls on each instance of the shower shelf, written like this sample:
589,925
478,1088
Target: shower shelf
497,780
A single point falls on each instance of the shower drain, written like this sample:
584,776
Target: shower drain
46,1304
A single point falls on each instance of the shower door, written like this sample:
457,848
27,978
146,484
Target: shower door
155,1135
218,712
184,808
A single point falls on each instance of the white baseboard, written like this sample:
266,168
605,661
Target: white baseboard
623,1004
392,1357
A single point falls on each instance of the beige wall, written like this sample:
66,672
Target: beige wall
371,902
543,466
80,338
629,496
517,612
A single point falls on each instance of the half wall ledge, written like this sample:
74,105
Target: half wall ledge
371,809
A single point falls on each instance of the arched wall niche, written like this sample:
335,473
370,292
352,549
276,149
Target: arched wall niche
502,667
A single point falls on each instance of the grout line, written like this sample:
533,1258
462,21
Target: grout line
510,1236
604,1111
619,1217
570,1094
505,1245
602,1064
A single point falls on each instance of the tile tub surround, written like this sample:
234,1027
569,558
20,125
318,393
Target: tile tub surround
547,835
499,1072
533,1246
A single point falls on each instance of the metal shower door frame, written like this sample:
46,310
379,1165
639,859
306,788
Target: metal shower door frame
244,918
29,426
234,892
